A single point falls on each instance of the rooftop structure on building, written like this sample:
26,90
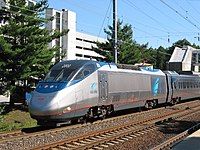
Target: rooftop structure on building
186,58
74,45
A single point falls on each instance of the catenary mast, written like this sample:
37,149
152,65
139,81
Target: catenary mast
115,29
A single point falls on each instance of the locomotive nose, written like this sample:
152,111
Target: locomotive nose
43,105
44,100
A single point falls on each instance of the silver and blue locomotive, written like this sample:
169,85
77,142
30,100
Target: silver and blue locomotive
89,89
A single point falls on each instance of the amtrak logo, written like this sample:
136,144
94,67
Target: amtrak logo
155,86
66,66
93,88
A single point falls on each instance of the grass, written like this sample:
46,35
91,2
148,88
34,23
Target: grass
15,120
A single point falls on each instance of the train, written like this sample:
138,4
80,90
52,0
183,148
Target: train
82,89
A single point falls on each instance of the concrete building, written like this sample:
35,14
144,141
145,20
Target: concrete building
185,59
74,45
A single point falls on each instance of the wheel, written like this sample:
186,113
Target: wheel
149,104
104,113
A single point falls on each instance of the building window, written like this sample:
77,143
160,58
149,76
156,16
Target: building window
79,55
58,21
78,39
89,41
194,56
193,67
87,48
78,47
198,57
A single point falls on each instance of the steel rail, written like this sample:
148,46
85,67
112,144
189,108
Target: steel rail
121,131
13,137
176,139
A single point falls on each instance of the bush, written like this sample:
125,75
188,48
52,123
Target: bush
2,109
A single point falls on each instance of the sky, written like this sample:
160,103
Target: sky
156,22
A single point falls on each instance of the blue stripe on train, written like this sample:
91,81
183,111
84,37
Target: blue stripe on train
49,87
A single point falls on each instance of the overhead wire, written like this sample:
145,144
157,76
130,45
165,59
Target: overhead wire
172,35
146,25
8,5
198,12
177,12
130,3
186,12
159,10
104,18
94,12
86,8
166,31
147,33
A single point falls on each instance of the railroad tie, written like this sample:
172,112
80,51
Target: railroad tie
129,137
63,147
120,140
103,145
77,143
133,135
84,141
124,138
88,140
100,137
110,143
99,148
71,146
116,142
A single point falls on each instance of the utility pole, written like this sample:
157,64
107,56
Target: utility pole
115,29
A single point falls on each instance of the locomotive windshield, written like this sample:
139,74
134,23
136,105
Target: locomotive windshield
60,75
64,71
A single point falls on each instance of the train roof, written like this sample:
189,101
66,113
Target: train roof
76,63
121,67
189,73
171,72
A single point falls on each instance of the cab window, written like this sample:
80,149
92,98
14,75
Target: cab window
87,70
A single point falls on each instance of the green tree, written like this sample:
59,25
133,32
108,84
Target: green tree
125,43
4,48
161,57
24,30
129,51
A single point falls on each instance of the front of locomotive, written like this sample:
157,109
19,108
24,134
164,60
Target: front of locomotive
45,105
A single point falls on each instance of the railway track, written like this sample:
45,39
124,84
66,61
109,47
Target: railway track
107,134
174,140
4,136
114,135
31,132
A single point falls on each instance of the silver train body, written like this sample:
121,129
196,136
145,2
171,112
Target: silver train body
78,88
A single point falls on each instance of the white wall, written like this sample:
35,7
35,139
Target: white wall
69,41
74,43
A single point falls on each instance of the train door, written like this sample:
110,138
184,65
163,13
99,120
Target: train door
169,87
103,88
